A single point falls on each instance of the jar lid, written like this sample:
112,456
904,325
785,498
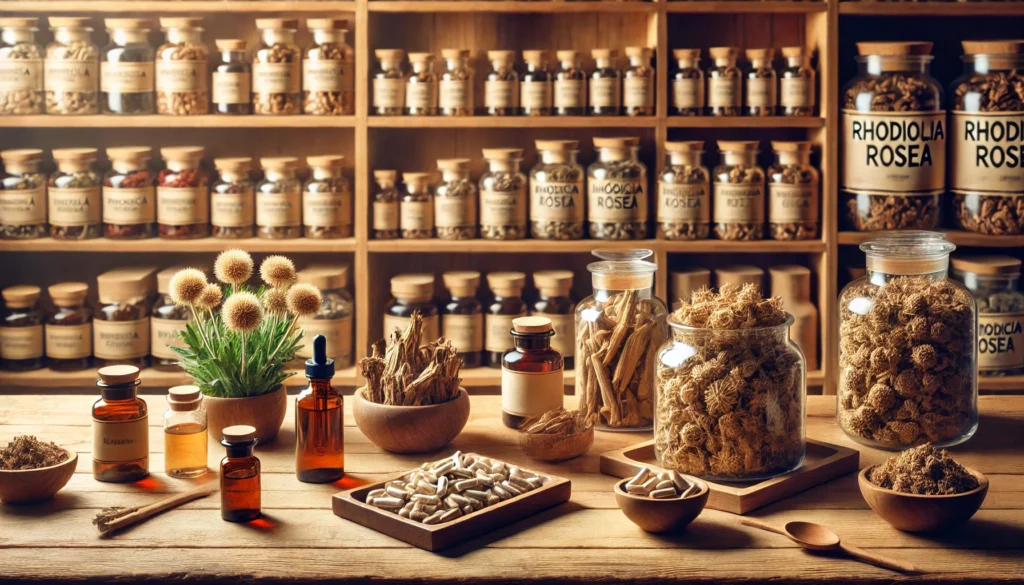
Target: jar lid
416,178
453,164
19,22
738,275
907,252
118,375
70,21
239,434
535,55
999,47
723,52
557,145
603,53
277,23
128,23
503,153
68,293
506,281
325,160
644,52
894,49
500,55
680,54
163,278
461,280
616,142
326,24
567,55
21,155
454,53
279,163
420,57
183,153
760,54
75,154
622,269
792,145
230,44
389,54
324,276
183,395
685,146
167,22
129,153
989,264
236,164
413,286
21,296
385,176
792,51
122,285
738,145
533,324
555,280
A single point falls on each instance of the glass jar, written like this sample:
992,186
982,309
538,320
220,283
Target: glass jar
233,199
413,293
328,71
503,195
71,77
724,96
617,191
21,67
421,86
183,194
129,194
886,183
462,318
279,199
907,343
416,208
687,83
992,281
455,88
127,72
557,192
69,328
554,301
334,319
501,88
455,198
326,200
535,97
385,206
232,79
761,83
684,193
570,85
638,86
73,195
23,197
120,329
277,68
796,83
738,192
21,335
623,288
508,303
168,320
793,193
605,84
182,78
185,433
389,83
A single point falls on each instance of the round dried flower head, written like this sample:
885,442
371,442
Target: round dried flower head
275,301
277,271
210,297
242,312
304,300
233,267
187,285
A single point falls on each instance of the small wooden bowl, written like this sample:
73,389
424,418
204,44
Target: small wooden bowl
555,448
661,515
410,429
920,513
27,486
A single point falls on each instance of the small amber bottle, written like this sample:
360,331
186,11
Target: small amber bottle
531,374
554,288
507,288
319,422
120,427
413,293
21,334
462,319
239,476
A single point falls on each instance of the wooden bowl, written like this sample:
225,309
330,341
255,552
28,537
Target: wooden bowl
555,448
920,513
661,515
36,485
410,429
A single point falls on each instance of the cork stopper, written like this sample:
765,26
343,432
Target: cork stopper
503,153
323,161
535,56
894,49
118,375
413,287
502,56
389,54
70,21
557,145
617,142
553,283
728,53
184,398
230,44
791,282
21,296
454,53
506,284
326,24
532,325
453,164
686,54
128,23
792,52
239,434
461,283
639,52
1002,47
416,178
277,23
794,151
685,147
324,276
738,145
163,278
569,56
125,285
18,22
760,54
75,154
385,176
685,282
240,164
183,153
421,57
193,22
279,163
738,275
21,155
66,294
130,153
603,53
988,265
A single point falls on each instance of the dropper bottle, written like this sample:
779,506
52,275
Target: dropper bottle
319,422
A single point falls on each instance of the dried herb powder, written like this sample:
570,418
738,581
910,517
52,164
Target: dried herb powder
27,452
923,470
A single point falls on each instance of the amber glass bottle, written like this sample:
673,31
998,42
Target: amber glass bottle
69,328
21,334
239,476
319,422
412,293
531,373
508,304
555,302
462,319
120,425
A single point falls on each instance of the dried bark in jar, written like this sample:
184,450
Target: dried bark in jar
501,87
455,87
328,84
416,207
21,67
638,83
503,195
71,76
796,83
23,195
570,85
793,193
182,78
687,83
455,200
389,83
279,199
535,90
617,191
557,192
385,206
725,96
605,84
73,195
684,193
233,199
738,192
421,86
761,93
277,68
327,199
129,194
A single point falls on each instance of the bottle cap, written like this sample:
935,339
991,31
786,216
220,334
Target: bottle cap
553,282
21,296
990,265
183,394
506,283
239,434
118,375
230,44
462,282
532,325
68,293
324,276
125,285
320,367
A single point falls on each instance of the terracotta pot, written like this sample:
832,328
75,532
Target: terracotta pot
411,429
265,412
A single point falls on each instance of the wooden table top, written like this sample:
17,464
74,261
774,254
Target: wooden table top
586,540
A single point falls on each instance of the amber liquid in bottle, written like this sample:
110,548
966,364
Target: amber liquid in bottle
120,428
240,482
319,422
185,450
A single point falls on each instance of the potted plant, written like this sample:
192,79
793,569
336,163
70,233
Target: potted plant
240,338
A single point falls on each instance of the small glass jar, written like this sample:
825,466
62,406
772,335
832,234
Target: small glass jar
233,199
638,87
761,85
168,320
232,79
462,318
74,195
182,76
455,199
416,208
183,194
240,490
535,97
72,67
907,347
684,193
129,194
21,335
127,72
793,193
185,433
570,85
503,195
21,67
279,199
326,200
993,281
501,88
605,84
557,192
334,319
69,328
421,86
724,95
328,71
617,191
389,83
687,83
738,192
277,68
23,197
455,88
120,428
554,301
386,206
508,304
796,83
532,373
120,328
413,293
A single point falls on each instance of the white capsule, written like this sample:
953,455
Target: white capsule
451,514
637,490
665,483
640,477
387,502
664,493
417,516
511,488
433,518
376,494
395,492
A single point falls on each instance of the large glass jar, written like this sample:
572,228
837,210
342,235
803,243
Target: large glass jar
907,343
793,192
455,88
129,194
23,196
21,67
535,97
738,192
501,88
455,198
168,320
687,83
992,281
684,193
503,195
71,77
725,95
127,73
69,328
421,86
638,87
618,331
74,195
334,319
617,191
416,208
326,199
385,206
570,85
887,182
328,71
233,199
21,329
557,192
796,83
277,68
605,84
120,329
232,79
279,199
182,77
183,194
389,83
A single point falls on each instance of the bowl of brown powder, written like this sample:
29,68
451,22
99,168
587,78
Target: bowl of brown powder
923,489
33,471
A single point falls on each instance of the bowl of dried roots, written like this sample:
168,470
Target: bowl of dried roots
33,471
557,435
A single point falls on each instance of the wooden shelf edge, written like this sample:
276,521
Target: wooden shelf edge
744,122
157,245
958,237
487,122
741,7
585,246
931,8
511,6
176,6
156,121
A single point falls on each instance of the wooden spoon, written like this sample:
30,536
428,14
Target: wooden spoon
816,537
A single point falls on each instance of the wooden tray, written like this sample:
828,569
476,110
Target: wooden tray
822,462
351,505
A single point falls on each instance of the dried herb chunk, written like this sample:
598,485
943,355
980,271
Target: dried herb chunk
923,470
27,452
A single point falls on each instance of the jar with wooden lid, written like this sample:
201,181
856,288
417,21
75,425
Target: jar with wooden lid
232,79
507,304
570,85
23,197
793,192
455,199
796,83
120,329
182,78
183,194
386,206
503,195
334,319
462,318
279,199
638,87
168,320
233,199
416,209
687,83
21,67
761,86
617,191
557,192
413,293
71,70
69,328
893,140
738,275
605,84
684,193
127,72
725,83
185,433
554,301
532,372
501,88
129,194
421,86
792,283
328,71
327,199
277,68
993,281
21,335
389,83
683,283
74,195
455,88
738,192
535,97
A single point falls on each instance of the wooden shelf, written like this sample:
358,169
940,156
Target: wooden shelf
210,121
152,245
586,246
1013,384
174,6
932,8
960,238
512,6
512,122
744,121
747,7
47,378
755,247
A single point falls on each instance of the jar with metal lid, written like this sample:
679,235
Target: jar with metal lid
796,83
507,304
535,97
389,83
501,87
129,194
605,84
455,88
74,195
687,83
793,192
738,192
127,73
167,322
908,371
182,76
455,198
684,193
462,318
120,328
233,199
183,194
23,196
993,281
279,199
570,85
617,191
413,293
326,199
69,328
21,67
232,79
503,195
71,76
334,319
557,192
554,301
762,93
277,68
725,95
416,208
328,71
421,86
21,334
386,206
638,87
